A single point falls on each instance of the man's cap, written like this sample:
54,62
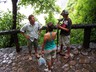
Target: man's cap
64,12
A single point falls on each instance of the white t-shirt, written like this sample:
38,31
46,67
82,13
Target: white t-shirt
31,30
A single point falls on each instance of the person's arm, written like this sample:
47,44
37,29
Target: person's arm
26,36
66,29
40,28
39,31
23,30
44,42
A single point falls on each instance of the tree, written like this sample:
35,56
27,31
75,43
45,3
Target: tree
41,6
83,11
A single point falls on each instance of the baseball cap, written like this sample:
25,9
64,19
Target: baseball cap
64,12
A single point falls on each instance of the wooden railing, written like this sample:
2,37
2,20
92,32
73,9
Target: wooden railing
87,30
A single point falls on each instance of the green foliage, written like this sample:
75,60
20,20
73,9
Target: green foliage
5,21
6,24
51,18
83,12
22,40
41,6
41,37
77,36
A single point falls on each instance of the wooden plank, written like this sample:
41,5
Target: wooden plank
86,39
6,32
82,26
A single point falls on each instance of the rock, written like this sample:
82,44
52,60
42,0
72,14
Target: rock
3,68
5,55
72,55
20,70
93,65
79,46
4,61
10,61
11,55
78,71
78,66
84,70
13,64
84,53
73,62
71,70
87,66
83,60
14,69
92,45
75,51
66,65
1,54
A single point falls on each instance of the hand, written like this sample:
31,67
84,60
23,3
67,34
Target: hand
42,52
28,37
58,26
39,33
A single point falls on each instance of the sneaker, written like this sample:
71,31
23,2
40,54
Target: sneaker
47,70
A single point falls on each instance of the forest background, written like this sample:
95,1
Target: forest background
80,11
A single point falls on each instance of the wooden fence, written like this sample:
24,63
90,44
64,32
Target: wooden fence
87,30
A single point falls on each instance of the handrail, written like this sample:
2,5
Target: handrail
86,27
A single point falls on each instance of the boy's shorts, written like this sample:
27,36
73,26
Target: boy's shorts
65,40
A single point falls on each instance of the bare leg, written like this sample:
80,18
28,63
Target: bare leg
68,50
49,65
35,47
29,49
68,53
61,48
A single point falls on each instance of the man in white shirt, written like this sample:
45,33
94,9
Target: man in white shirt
31,31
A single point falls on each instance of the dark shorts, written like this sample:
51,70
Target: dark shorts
34,43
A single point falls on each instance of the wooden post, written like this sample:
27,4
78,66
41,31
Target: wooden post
14,37
86,39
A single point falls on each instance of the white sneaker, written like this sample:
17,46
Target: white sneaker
47,70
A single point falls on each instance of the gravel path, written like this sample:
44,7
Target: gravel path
80,61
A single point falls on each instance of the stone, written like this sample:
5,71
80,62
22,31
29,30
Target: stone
84,70
75,51
84,52
78,66
1,54
20,70
93,65
83,60
14,68
11,55
78,71
73,62
66,65
13,64
72,55
10,61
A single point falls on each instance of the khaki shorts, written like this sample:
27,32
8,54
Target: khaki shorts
65,40
49,55
34,43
